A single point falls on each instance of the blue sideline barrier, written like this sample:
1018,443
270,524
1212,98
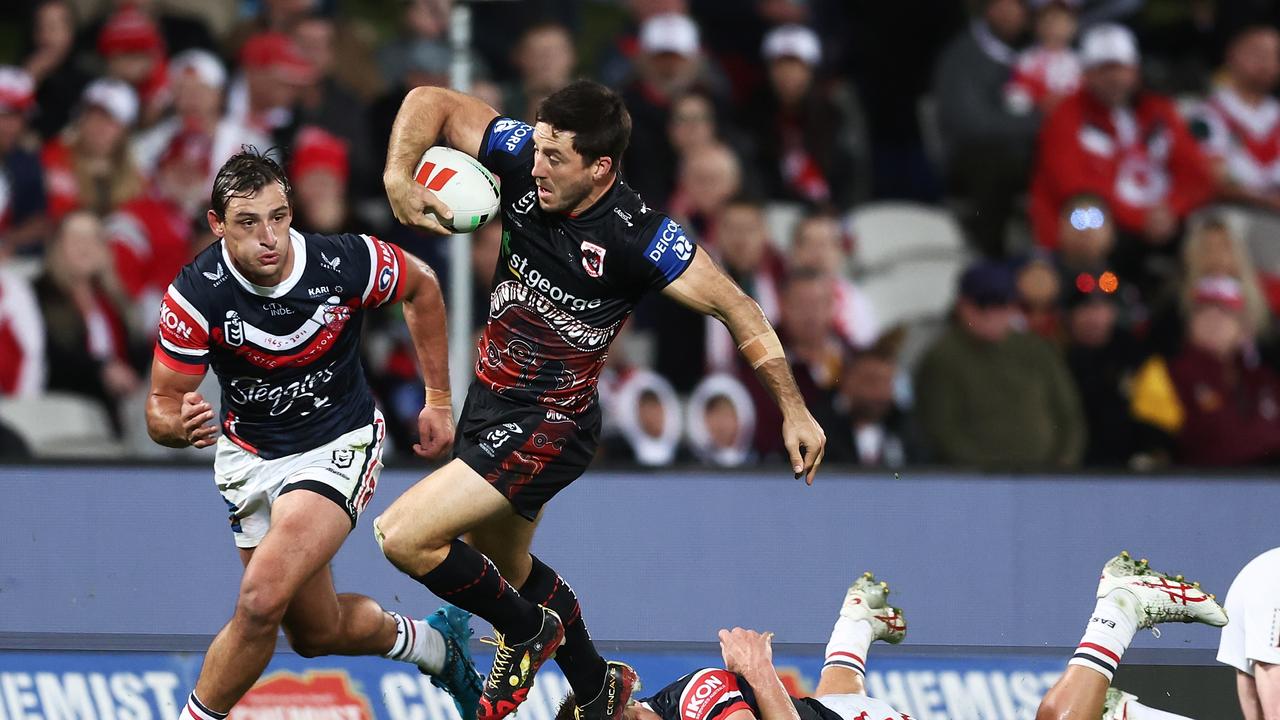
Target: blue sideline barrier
669,556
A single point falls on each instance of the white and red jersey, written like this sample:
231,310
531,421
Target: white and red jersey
22,351
287,356
1041,73
1244,137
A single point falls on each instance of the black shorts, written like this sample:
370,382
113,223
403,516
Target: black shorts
528,452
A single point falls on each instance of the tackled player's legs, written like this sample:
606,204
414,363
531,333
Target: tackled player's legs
1130,596
320,621
306,531
865,616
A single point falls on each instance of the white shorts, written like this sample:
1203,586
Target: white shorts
1252,634
345,470
852,707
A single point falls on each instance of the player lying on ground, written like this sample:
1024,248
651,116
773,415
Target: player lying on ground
748,686
1131,596
579,250
1250,644
276,314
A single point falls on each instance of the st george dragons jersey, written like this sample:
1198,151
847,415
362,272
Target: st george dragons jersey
287,356
714,694
565,284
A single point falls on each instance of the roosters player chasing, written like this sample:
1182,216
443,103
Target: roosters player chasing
277,313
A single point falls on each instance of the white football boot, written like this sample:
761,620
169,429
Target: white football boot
866,600
1117,704
1161,598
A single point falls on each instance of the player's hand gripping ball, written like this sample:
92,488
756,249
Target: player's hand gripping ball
452,192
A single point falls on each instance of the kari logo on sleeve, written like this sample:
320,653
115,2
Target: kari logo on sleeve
670,250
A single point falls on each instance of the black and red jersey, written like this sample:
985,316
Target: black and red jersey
715,694
565,284
287,356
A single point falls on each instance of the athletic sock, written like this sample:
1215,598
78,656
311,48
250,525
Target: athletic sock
471,581
577,657
1111,628
417,643
196,710
848,646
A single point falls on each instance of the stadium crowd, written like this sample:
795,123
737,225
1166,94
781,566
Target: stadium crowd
1114,166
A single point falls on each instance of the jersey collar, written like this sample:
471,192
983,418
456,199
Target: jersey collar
284,286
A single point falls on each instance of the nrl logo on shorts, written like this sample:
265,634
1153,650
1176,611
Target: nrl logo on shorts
592,258
343,458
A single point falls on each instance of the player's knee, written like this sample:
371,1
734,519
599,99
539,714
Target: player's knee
261,607
408,553
1050,709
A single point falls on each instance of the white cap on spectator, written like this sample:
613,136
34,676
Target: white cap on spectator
795,41
670,32
114,96
17,89
1108,43
204,65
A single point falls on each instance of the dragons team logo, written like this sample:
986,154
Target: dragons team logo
315,694
592,258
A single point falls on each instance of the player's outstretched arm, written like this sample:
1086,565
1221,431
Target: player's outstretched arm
750,654
424,313
177,415
705,288
429,116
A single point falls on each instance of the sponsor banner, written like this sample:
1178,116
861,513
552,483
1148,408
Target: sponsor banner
153,686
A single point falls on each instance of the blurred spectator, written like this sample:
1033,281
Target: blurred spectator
991,397
668,65
693,125
868,428
425,62
59,79
798,128
1039,294
1239,125
274,16
181,32
545,57
720,422
743,247
1048,71
424,23
818,244
328,105
319,171
1214,247
1219,406
709,178
22,200
89,165
1127,145
1102,357
649,421
618,60
816,354
197,79
84,312
275,74
988,148
22,352
134,52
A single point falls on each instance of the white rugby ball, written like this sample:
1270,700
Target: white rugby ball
461,183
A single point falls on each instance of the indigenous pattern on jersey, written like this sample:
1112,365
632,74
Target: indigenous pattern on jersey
287,356
565,285
715,694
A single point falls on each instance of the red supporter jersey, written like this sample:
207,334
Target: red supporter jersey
287,356
1136,157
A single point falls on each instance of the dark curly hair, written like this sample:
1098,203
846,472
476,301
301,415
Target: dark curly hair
243,175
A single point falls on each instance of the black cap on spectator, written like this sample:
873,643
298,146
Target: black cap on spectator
987,283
